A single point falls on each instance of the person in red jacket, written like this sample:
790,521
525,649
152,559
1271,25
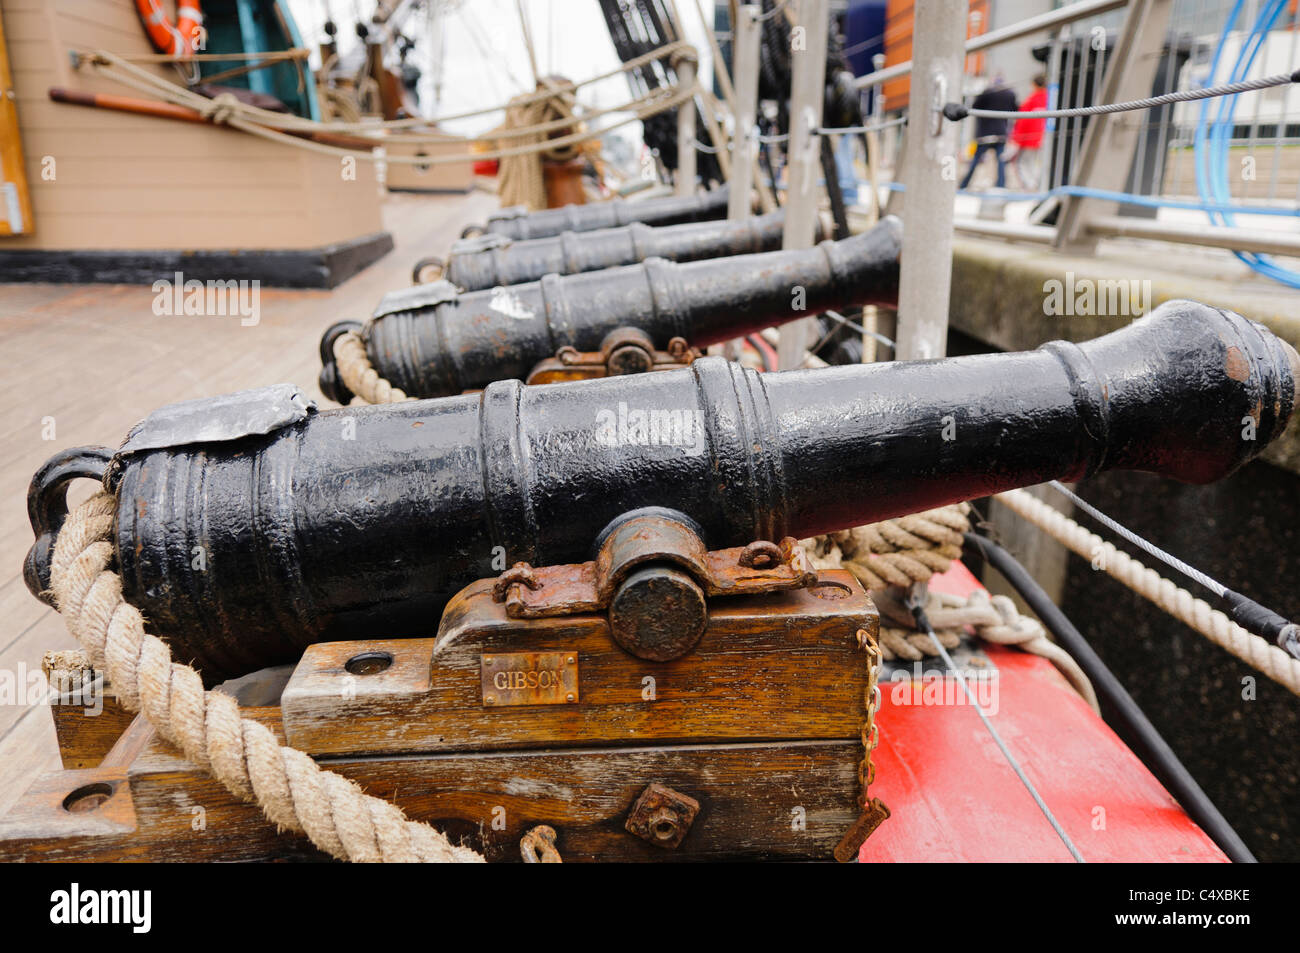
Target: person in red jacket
1027,138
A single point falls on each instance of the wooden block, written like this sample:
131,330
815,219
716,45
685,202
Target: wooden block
87,733
778,666
779,801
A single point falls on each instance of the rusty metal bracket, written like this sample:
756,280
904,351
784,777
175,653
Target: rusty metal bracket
546,591
652,576
623,351
662,816
538,846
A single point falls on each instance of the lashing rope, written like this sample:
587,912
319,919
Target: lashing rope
893,555
359,375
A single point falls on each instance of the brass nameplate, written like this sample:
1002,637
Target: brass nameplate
529,678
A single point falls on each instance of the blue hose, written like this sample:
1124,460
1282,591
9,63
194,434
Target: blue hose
1211,142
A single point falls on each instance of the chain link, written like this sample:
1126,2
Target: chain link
870,731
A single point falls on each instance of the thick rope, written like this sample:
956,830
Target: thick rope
277,127
1255,651
359,375
101,58
895,552
273,124
899,552
291,789
994,618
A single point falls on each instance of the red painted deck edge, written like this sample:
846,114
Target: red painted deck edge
954,797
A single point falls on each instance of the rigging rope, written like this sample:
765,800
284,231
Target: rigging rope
99,58
228,110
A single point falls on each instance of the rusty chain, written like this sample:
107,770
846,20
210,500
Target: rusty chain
873,811
870,730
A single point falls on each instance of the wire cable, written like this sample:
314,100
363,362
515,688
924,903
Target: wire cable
1255,618
915,601
837,130
1118,705
1143,544
958,111
836,316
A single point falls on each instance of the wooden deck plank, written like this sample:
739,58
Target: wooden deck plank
97,359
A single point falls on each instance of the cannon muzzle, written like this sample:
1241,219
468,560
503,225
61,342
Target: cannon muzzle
490,260
519,223
250,526
432,341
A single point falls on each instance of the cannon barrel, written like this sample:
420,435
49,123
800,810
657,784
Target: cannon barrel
519,223
491,260
243,547
432,341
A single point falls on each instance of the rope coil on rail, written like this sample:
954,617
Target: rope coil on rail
292,790
894,554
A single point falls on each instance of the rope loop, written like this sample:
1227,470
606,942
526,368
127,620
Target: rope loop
291,789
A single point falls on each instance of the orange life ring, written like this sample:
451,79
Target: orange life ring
179,40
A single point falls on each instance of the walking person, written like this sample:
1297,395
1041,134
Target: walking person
991,134
1027,138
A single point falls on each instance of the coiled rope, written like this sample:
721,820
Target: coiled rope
1255,651
291,789
892,555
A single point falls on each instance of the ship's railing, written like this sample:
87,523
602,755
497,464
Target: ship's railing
1224,174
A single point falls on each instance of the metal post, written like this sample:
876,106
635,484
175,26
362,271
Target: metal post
719,64
685,65
808,39
747,33
708,112
925,273
1110,142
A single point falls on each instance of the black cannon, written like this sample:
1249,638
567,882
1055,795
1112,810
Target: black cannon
489,260
250,526
517,222
432,341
